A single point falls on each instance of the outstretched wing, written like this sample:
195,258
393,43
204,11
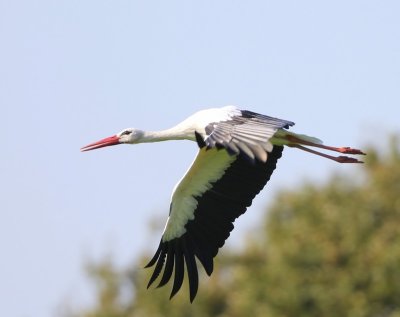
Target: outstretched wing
216,190
248,133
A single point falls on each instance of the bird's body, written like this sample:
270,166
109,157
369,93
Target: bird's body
238,153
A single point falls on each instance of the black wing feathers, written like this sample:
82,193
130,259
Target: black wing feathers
213,220
263,118
179,268
159,266
169,266
199,140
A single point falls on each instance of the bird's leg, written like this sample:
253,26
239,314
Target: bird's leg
344,150
339,159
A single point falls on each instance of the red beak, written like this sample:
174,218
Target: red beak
112,140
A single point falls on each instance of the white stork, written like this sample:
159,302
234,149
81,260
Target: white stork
238,153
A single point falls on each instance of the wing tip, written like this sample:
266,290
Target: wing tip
174,258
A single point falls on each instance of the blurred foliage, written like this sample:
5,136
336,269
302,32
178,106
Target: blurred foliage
327,250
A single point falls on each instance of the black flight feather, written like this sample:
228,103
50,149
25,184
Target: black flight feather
213,220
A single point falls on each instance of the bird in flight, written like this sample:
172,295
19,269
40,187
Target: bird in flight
238,152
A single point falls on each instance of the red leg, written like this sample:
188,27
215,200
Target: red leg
344,150
339,159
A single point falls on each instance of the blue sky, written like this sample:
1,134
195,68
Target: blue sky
72,72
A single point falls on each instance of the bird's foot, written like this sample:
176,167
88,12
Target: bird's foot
349,150
347,159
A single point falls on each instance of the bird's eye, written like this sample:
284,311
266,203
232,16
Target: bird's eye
126,132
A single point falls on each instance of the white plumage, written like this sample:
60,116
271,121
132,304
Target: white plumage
238,153
207,168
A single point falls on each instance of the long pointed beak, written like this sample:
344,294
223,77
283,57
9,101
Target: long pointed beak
112,140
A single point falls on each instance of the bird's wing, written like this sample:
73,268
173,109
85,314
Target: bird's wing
248,133
216,190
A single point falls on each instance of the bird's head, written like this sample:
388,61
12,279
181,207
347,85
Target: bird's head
129,135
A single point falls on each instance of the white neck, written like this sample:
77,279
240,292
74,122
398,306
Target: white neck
175,133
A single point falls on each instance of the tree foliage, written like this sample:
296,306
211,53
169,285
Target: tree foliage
330,250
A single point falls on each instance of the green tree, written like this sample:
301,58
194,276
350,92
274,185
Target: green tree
330,250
